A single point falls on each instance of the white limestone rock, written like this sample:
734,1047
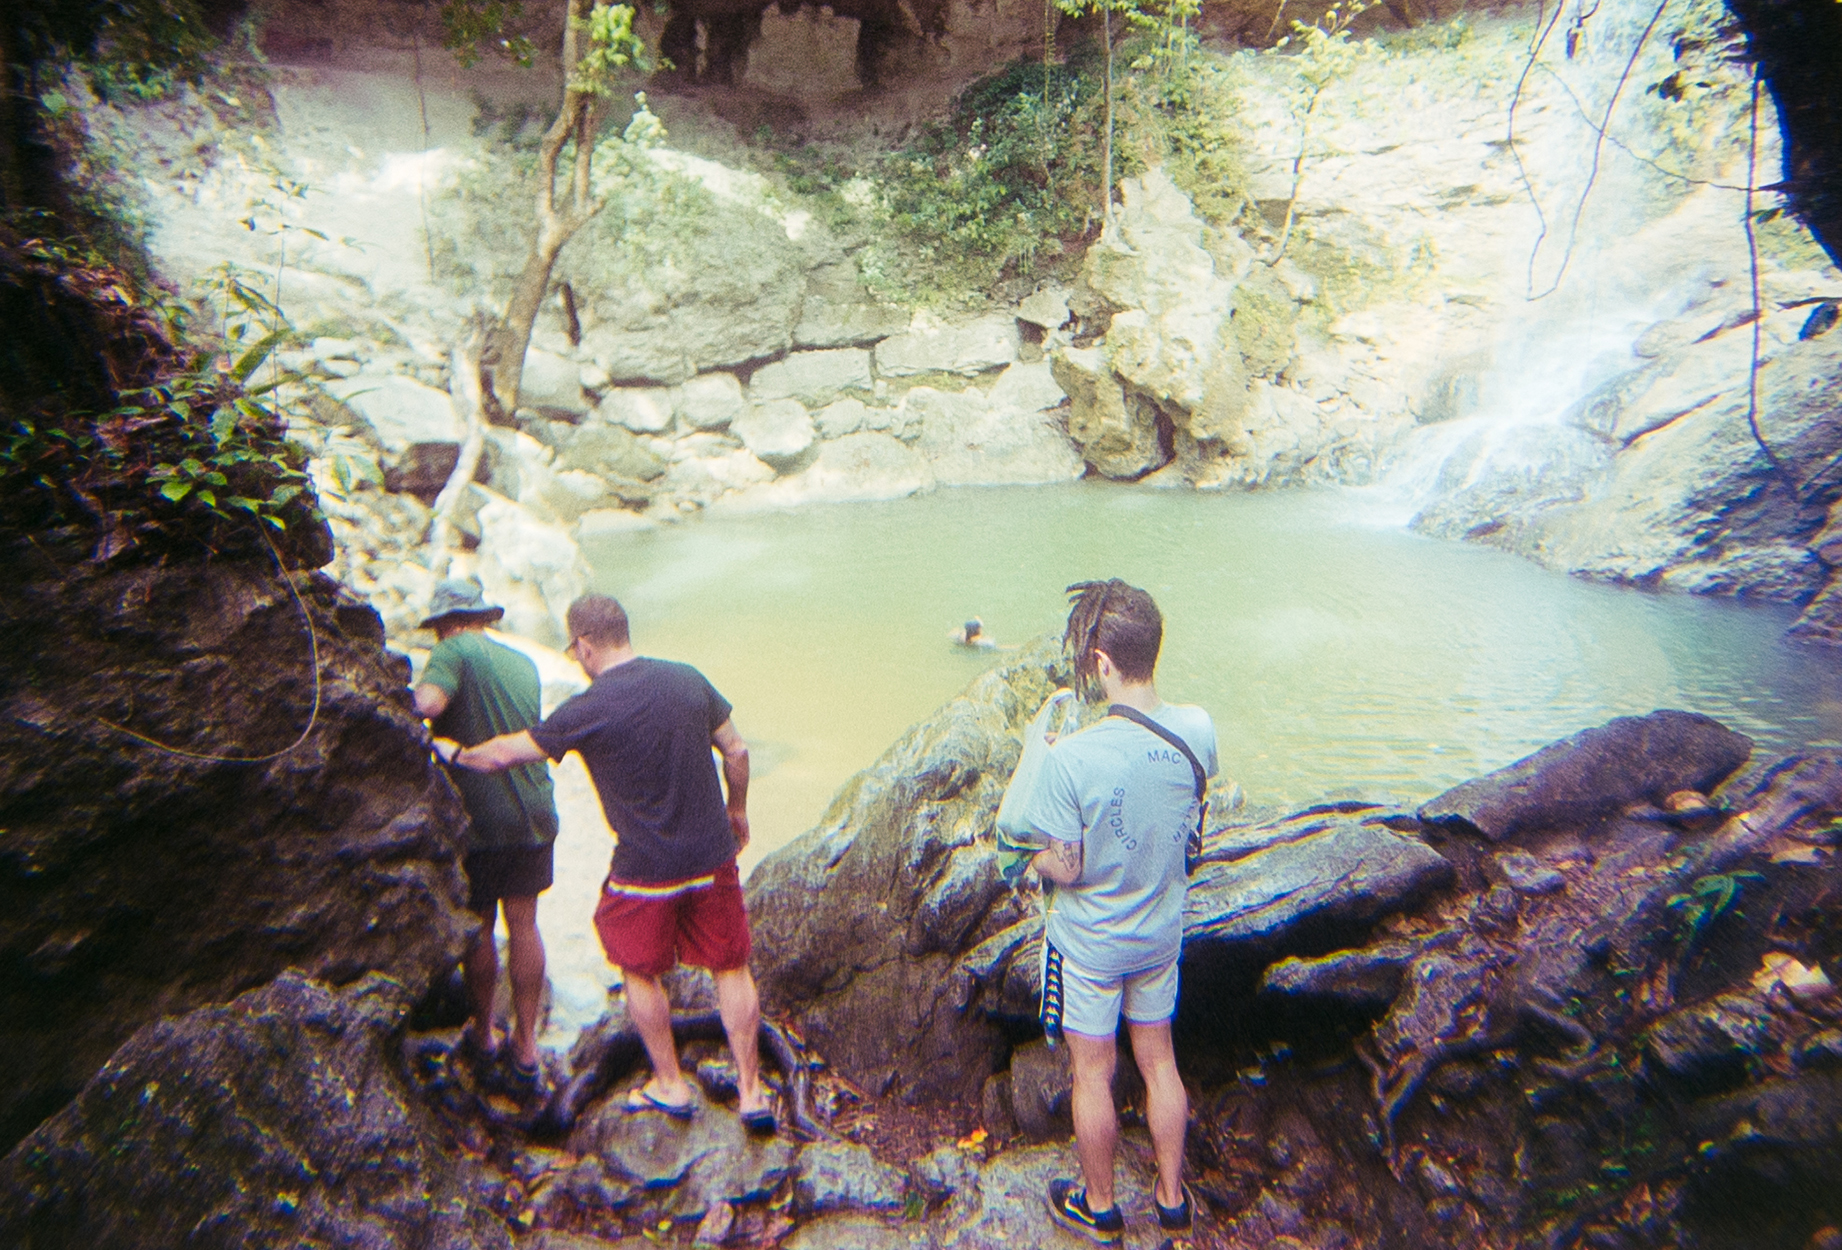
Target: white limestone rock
1047,308
969,442
642,409
1028,387
710,401
841,417
399,411
932,346
530,567
551,382
856,468
779,431
814,378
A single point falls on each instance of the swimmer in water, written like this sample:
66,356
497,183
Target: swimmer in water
972,635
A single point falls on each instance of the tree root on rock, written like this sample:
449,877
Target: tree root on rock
616,1053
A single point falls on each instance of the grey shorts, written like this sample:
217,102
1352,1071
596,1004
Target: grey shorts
1091,1003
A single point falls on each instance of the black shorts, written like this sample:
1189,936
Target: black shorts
508,872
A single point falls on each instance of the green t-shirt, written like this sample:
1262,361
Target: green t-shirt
493,690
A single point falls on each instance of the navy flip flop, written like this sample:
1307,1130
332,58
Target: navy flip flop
639,1100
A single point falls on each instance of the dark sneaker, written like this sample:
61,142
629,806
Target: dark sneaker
1179,1218
1068,1207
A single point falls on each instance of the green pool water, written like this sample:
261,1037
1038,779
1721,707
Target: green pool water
1335,655
1338,654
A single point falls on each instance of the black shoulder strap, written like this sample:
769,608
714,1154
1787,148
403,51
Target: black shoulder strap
1139,718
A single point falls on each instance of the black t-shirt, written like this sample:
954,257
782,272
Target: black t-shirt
643,729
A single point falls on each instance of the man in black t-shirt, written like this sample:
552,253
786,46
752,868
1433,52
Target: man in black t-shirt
645,728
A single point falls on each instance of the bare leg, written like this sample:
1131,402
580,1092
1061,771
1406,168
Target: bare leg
480,972
1167,1105
526,957
651,1010
1096,1124
740,1007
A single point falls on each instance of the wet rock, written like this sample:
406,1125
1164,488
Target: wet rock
710,401
399,411
277,1118
843,955
967,349
423,469
1634,759
833,1176
814,378
855,1232
778,432
1347,874
1363,979
650,1166
1526,873
1821,1050
167,881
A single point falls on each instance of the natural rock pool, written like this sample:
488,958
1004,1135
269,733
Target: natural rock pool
1336,652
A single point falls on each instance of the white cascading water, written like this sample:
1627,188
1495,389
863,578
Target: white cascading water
1618,247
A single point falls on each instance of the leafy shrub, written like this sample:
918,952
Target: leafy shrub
1009,177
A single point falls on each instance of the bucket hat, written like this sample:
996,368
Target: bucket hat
456,596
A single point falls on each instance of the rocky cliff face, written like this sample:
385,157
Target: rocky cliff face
142,881
1571,1003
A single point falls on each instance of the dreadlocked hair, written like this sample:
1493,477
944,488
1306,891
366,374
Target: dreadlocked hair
1122,621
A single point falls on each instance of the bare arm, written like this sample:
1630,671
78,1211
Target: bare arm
431,701
1061,863
735,777
495,755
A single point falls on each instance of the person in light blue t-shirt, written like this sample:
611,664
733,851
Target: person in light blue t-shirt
1117,803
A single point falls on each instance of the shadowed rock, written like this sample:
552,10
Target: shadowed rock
1634,759
276,1119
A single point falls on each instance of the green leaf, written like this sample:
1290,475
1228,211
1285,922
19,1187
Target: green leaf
208,496
192,466
284,495
176,490
252,359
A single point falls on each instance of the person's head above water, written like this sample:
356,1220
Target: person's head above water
1120,620
973,628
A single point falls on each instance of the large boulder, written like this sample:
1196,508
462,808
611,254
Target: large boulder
859,923
726,288
710,401
853,469
1174,339
399,410
777,431
530,567
275,1119
968,440
551,382
194,804
1594,773
1118,432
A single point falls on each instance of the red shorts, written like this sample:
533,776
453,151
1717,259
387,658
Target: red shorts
648,929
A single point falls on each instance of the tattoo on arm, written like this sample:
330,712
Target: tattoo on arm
1067,856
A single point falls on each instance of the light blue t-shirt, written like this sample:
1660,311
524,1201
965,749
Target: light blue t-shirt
1129,798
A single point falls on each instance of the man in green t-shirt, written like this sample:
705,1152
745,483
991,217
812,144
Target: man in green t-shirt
473,689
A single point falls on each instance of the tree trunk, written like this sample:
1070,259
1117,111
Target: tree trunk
1106,159
468,398
575,119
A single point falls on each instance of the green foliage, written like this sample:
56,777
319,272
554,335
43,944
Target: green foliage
612,46
1706,898
471,25
1009,176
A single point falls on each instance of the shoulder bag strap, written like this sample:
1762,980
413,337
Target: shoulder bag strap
1194,850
